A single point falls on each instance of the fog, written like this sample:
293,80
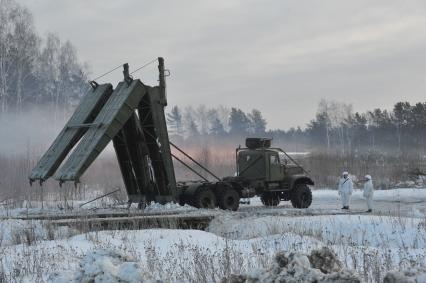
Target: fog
31,130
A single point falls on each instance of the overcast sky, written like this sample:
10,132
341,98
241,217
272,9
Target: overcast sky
280,57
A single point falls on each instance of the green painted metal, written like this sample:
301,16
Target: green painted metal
252,164
132,154
124,161
163,137
267,164
132,116
275,168
158,102
153,122
110,120
75,128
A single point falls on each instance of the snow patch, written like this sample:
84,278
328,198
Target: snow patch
361,230
412,275
320,266
170,206
104,266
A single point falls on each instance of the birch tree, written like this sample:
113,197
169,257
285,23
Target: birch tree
24,43
6,9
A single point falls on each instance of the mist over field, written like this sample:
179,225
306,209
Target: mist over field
31,130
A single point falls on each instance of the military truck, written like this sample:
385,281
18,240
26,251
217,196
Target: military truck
132,117
272,174
261,170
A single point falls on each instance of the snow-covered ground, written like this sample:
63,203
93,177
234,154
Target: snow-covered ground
402,202
398,202
235,242
55,208
370,245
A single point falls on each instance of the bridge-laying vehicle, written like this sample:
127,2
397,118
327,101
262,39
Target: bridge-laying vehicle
132,117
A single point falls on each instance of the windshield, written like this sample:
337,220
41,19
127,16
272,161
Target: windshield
284,160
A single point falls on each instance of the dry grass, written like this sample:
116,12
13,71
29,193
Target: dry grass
187,262
104,174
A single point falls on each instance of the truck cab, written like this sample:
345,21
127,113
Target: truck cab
270,165
273,174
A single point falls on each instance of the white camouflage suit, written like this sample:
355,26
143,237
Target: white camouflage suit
345,190
368,193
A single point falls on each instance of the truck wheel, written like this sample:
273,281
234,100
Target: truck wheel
182,201
204,198
301,196
270,199
229,199
142,205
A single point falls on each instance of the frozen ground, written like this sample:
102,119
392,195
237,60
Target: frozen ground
56,209
398,202
235,242
368,245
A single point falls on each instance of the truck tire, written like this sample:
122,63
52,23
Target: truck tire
270,199
182,201
229,199
142,205
204,198
301,196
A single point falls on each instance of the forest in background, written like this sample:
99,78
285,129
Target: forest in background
336,128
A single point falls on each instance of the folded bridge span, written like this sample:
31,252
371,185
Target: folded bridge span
132,117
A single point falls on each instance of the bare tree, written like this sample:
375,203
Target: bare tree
30,74
189,118
24,47
337,114
7,7
174,120
323,107
48,71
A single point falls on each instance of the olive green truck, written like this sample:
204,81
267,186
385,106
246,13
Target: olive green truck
132,117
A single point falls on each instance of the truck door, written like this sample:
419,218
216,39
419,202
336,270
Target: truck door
251,165
274,167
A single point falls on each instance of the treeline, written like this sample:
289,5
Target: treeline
217,121
401,129
34,69
335,128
